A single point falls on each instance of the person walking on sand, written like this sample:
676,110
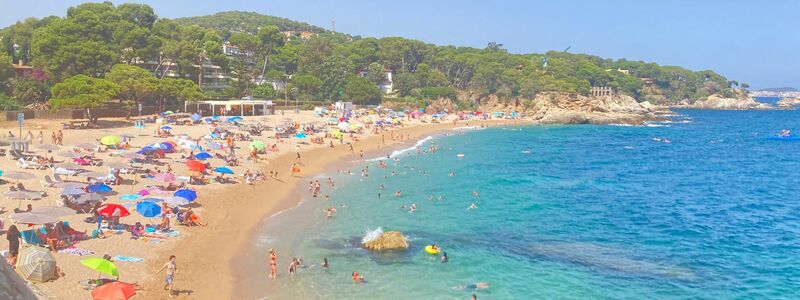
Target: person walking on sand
171,268
273,264
40,138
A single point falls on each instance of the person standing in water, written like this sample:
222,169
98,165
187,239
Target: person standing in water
325,264
273,264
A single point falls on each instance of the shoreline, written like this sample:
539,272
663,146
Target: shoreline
208,260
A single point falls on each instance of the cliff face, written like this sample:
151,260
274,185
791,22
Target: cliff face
718,102
563,108
11,286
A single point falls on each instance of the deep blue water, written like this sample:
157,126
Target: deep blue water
601,212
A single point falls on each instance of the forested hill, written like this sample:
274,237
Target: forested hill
93,38
242,21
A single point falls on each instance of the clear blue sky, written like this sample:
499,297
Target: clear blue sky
754,41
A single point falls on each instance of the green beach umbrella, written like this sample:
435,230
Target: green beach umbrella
259,145
36,264
110,140
101,265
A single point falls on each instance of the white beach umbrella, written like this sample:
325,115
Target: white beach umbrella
33,218
18,175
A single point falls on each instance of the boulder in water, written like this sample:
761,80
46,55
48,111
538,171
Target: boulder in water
391,240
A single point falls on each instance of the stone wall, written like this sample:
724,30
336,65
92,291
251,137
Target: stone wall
11,286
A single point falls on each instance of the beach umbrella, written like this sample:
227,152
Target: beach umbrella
148,209
33,218
146,149
129,197
195,117
85,145
88,197
164,177
233,119
93,174
54,211
202,156
166,127
214,146
108,210
72,191
186,193
115,290
36,264
195,165
223,170
69,154
100,265
117,165
187,144
47,147
258,145
110,140
18,175
99,188
23,195
300,135
70,185
68,166
176,201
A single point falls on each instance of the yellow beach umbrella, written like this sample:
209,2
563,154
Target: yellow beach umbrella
110,140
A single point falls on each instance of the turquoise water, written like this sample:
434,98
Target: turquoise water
592,212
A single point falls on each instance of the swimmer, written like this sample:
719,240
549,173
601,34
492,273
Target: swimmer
474,286
413,207
445,258
472,206
381,186
475,193
357,278
398,193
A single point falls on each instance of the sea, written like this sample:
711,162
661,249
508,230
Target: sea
701,206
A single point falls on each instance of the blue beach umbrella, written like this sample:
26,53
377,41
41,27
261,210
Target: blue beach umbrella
234,119
195,117
166,127
99,188
223,170
202,155
215,117
148,209
186,193
129,197
167,147
300,135
208,120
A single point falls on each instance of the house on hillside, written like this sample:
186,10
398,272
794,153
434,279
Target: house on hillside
303,35
233,50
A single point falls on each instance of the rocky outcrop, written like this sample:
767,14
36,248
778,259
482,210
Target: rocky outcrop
718,102
564,108
391,240
788,102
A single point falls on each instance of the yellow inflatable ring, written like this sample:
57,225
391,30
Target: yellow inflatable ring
430,250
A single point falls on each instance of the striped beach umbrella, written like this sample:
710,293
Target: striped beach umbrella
36,264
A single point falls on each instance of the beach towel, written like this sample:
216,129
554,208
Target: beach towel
76,251
127,258
30,237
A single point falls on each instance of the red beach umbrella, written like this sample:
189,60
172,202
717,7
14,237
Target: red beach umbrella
195,165
107,210
116,290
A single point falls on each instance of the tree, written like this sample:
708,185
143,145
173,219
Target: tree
375,73
264,91
269,38
27,91
333,73
307,84
81,91
6,71
7,103
360,90
134,83
494,46
405,83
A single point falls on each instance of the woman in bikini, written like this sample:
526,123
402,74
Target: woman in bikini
273,264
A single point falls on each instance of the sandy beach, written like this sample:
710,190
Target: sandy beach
209,258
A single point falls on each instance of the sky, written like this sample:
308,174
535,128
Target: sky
751,41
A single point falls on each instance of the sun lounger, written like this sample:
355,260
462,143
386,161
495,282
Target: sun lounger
26,164
48,182
62,171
